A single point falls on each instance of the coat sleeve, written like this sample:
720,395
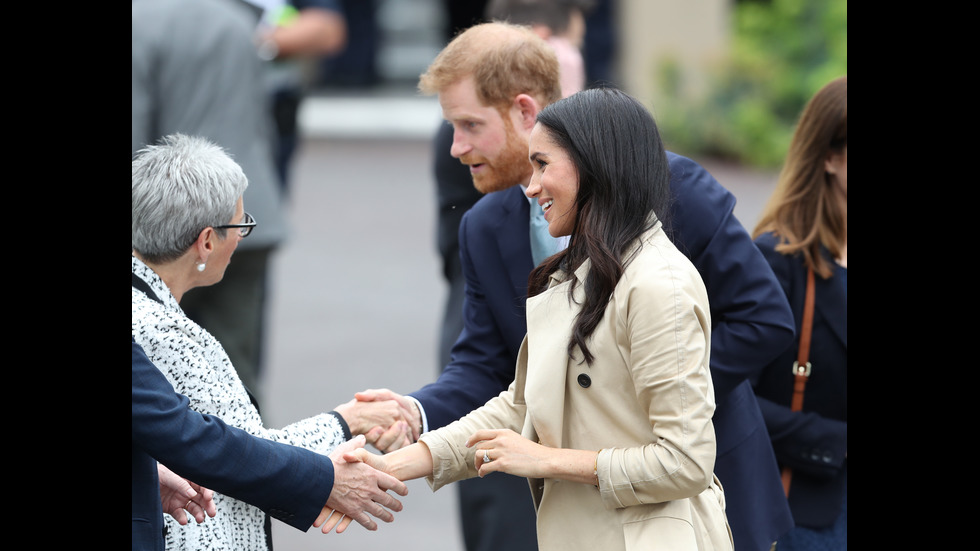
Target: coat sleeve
668,326
751,318
451,459
290,483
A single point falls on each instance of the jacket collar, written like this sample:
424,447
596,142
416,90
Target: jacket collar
513,238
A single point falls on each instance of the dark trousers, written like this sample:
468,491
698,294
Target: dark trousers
497,514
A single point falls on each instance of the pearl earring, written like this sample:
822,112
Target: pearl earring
200,267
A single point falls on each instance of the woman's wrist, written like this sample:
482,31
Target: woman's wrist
580,466
411,462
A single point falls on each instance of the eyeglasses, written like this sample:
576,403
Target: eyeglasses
244,228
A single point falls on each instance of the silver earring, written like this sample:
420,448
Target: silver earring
200,267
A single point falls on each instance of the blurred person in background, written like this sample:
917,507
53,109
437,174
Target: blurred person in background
294,36
461,15
803,233
187,220
600,45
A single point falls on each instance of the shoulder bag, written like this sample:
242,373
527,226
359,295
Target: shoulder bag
801,367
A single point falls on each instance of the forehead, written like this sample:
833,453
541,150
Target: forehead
459,101
540,141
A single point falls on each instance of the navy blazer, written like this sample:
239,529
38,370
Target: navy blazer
812,442
751,322
290,483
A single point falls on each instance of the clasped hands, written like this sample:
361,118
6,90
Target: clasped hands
523,457
359,491
388,421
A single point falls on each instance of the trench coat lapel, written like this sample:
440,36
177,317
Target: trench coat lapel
550,317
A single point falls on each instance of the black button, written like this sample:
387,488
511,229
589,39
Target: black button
584,381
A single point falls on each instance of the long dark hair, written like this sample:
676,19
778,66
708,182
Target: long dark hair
623,178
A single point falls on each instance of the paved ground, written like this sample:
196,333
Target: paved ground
356,298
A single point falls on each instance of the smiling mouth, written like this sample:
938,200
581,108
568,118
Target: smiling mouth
547,205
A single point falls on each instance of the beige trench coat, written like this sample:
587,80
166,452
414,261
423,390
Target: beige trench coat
647,402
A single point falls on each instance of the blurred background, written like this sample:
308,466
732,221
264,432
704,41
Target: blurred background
356,292
725,78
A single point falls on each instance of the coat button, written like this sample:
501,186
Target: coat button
584,381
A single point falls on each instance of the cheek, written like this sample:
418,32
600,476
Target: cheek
569,187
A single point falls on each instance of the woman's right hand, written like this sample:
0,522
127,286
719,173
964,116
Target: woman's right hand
373,460
407,463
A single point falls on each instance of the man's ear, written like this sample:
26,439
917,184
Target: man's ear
528,108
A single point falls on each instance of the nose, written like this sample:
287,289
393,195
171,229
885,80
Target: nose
460,146
533,187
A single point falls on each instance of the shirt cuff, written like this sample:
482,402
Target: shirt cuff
343,425
425,422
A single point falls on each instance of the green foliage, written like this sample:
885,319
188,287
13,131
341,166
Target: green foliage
782,52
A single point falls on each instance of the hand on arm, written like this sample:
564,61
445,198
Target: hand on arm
511,453
178,494
359,491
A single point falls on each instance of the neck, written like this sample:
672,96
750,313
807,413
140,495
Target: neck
173,274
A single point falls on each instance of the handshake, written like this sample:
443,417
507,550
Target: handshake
385,420
388,421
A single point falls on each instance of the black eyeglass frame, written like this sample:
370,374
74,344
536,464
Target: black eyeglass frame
245,227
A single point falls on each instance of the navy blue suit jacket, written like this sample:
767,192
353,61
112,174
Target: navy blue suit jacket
812,442
751,322
292,484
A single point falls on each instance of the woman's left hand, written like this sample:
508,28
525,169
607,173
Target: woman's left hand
510,453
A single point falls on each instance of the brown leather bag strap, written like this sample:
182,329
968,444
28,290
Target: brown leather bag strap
801,367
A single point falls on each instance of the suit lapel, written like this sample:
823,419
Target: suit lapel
513,238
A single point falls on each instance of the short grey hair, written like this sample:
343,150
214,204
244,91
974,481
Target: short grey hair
181,186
